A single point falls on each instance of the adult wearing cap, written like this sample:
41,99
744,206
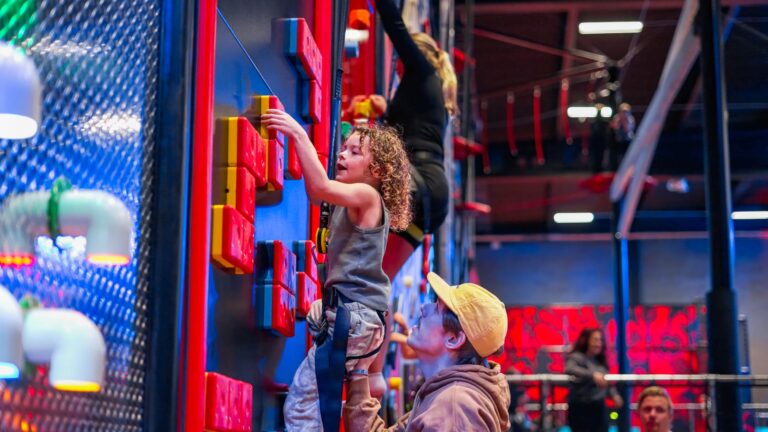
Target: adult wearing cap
463,391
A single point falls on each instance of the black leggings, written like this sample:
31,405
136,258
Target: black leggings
429,188
588,416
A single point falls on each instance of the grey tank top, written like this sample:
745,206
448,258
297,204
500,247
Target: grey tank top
354,260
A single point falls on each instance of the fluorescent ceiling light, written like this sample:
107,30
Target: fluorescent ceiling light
609,27
588,112
749,215
574,217
582,112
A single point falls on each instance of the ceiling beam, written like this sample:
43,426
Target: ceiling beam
536,46
693,97
500,239
545,82
569,36
527,7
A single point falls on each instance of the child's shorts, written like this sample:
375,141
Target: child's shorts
302,407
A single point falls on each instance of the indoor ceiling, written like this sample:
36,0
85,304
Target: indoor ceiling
523,44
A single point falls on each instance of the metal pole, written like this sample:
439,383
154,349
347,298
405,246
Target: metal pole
168,229
621,309
467,127
445,247
543,409
721,300
381,76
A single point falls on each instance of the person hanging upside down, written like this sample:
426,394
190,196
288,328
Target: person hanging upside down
421,108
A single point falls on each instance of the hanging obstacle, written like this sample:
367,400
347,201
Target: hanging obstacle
585,125
537,125
484,136
511,140
566,123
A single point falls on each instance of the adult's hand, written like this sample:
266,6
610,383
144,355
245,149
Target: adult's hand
599,379
378,103
402,338
618,400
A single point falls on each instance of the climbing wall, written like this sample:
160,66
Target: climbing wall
251,61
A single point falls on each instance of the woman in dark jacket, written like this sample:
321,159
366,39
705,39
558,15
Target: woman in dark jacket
586,399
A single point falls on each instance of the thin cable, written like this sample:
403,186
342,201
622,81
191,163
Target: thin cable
753,31
231,30
635,51
635,37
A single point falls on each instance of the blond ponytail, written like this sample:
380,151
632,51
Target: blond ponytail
441,61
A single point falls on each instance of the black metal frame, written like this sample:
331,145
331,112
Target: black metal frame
721,299
621,309
170,193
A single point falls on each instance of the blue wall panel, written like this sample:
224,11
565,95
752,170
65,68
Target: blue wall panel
250,61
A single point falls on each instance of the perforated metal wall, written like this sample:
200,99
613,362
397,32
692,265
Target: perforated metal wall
98,64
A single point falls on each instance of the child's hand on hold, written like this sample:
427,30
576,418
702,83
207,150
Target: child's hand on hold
283,122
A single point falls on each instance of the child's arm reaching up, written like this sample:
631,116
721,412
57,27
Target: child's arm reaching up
319,187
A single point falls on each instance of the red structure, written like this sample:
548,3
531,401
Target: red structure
661,340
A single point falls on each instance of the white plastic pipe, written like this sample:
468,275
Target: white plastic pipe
71,343
20,94
11,322
100,216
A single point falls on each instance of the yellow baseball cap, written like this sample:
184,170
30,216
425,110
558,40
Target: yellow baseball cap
481,314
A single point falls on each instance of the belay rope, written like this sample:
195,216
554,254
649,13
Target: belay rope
330,355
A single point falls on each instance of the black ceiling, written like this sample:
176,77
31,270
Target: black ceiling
545,25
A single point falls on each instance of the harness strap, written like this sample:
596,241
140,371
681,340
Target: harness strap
331,358
330,370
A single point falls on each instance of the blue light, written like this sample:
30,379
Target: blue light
8,371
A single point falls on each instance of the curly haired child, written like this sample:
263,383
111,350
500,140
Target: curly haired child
370,194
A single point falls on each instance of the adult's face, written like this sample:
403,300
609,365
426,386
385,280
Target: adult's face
655,414
428,336
595,343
